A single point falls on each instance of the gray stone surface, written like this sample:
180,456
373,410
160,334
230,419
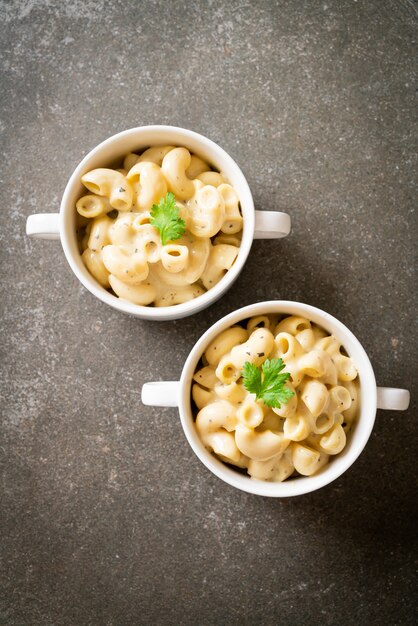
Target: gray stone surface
107,516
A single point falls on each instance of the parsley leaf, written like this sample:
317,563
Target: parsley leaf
268,384
165,217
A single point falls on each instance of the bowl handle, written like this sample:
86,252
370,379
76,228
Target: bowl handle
43,225
392,399
271,225
161,393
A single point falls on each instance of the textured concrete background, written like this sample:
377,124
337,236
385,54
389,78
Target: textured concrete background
107,517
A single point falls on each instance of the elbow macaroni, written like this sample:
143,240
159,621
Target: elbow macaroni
298,438
124,252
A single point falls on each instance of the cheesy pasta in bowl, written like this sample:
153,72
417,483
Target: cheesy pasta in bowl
162,229
277,399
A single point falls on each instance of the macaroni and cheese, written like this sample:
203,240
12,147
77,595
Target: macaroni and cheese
301,436
127,254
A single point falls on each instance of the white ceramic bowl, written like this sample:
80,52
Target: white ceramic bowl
178,393
257,224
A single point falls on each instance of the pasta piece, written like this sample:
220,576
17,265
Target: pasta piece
211,178
206,377
260,321
221,259
141,294
174,257
155,154
351,413
121,231
276,469
293,325
130,160
318,364
198,255
192,201
178,295
218,415
226,371
174,167
307,461
230,240
223,444
141,219
315,363
299,425
151,184
339,400
255,350
333,441
284,467
206,212
328,344
112,184
242,462
315,396
250,413
131,269
233,218
306,338
271,421
233,392
224,343
92,205
289,409
289,349
346,369
99,233
196,167
201,396
322,423
92,259
260,446
263,470
148,242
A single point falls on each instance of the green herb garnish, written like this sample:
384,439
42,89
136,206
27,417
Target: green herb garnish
268,383
165,217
